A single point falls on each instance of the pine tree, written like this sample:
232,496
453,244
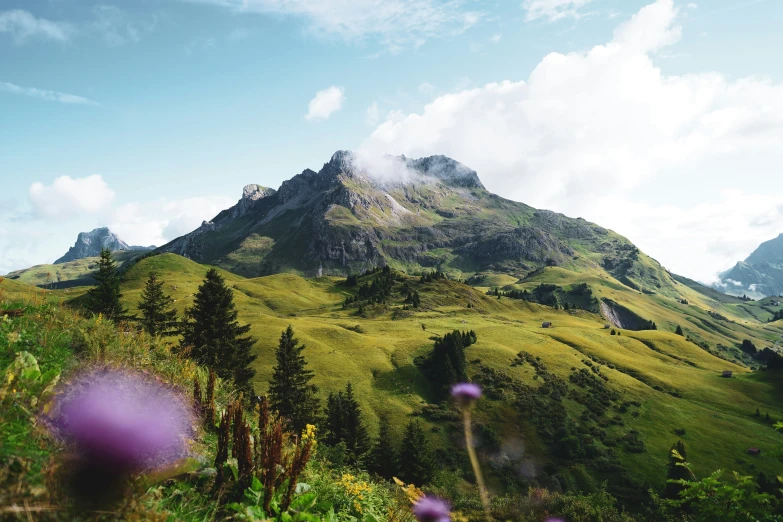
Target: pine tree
157,315
679,331
104,298
290,391
417,463
356,438
213,334
383,458
675,470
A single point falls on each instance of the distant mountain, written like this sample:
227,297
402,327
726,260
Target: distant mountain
760,275
411,214
89,244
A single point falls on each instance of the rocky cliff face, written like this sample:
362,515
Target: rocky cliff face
760,275
413,214
89,244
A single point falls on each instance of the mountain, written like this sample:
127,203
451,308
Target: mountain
410,214
89,244
760,275
72,273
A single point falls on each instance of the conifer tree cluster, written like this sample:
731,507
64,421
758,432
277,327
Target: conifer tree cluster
343,423
158,316
412,298
376,291
429,277
290,392
104,298
414,461
213,335
446,363
777,316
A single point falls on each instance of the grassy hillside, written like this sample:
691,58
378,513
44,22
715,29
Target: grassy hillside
66,275
675,381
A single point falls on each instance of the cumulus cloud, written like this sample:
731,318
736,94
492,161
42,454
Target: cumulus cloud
23,26
45,94
591,127
553,10
396,23
69,197
325,103
158,222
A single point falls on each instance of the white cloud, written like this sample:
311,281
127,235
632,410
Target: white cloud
158,222
588,131
22,26
373,113
396,23
68,197
553,10
325,103
45,94
495,38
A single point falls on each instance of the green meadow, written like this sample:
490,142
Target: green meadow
677,382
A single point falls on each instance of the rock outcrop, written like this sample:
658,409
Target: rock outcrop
89,244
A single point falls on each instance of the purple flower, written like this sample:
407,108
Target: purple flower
126,420
554,520
466,391
429,509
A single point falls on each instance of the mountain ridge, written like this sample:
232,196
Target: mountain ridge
759,275
90,244
419,214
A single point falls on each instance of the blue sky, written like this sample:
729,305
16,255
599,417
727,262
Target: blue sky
160,111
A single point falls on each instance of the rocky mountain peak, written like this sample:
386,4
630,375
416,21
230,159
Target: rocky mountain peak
251,194
89,244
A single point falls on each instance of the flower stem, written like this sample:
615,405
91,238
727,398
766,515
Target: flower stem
475,463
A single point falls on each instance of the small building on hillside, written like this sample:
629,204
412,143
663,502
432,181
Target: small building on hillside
754,451
546,324
607,326
726,373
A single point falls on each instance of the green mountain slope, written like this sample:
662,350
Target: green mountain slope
348,217
67,274
676,382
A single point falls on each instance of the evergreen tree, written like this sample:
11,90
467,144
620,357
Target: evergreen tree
417,463
213,334
356,438
104,298
383,458
675,471
679,331
157,315
334,422
290,391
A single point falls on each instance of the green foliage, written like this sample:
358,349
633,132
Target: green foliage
416,461
446,364
738,500
383,458
157,314
213,335
290,392
344,424
679,331
105,297
677,470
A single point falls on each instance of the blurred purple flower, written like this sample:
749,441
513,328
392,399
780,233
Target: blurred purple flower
126,420
466,391
429,509
554,520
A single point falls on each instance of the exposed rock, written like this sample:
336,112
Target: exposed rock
89,244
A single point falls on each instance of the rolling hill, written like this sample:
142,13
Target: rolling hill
660,386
